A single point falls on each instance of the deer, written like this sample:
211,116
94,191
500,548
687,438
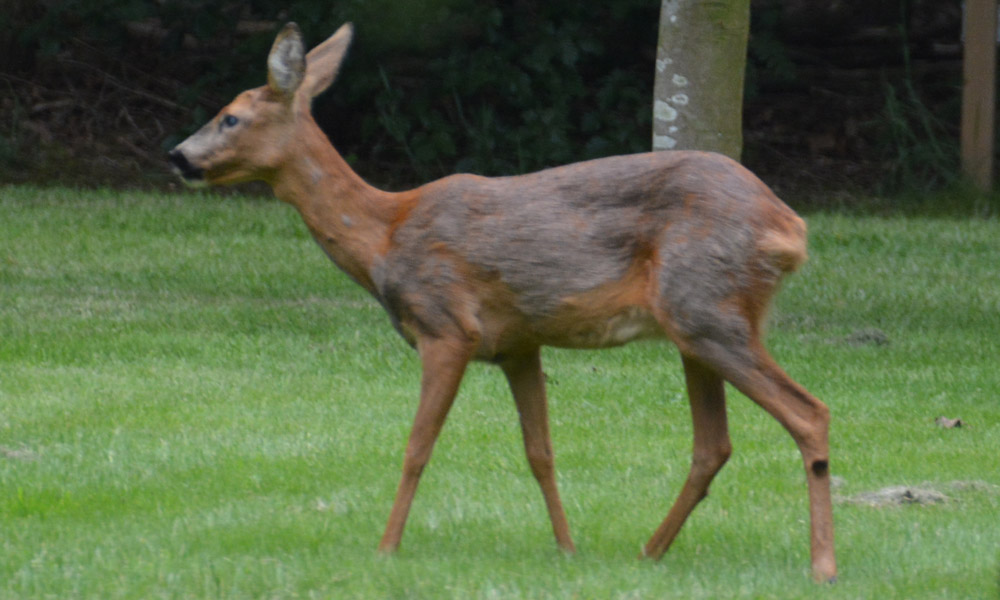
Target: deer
684,245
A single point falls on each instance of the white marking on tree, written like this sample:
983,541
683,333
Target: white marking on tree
663,142
663,111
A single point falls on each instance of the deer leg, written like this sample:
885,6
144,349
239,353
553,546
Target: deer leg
807,420
711,450
443,363
753,372
527,383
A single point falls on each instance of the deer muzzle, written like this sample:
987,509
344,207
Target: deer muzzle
188,172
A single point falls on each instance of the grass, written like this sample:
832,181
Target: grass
195,404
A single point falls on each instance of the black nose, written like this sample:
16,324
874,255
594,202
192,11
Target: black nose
183,167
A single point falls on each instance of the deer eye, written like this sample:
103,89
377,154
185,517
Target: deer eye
229,121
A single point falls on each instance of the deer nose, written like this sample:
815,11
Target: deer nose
183,167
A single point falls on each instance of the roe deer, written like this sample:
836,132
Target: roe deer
684,245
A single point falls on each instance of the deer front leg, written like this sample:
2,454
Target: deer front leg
443,364
527,383
711,450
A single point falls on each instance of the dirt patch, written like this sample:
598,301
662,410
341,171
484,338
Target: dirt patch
22,454
924,494
947,423
897,495
870,336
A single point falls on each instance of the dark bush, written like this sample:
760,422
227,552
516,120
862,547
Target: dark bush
431,86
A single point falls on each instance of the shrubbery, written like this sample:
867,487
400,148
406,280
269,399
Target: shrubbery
431,86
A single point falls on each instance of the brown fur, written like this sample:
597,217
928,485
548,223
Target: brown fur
685,245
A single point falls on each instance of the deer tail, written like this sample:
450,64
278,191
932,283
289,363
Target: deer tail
785,247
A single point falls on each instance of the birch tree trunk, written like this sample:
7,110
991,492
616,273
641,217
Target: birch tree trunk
700,61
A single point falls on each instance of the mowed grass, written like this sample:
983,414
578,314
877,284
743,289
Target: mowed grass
194,403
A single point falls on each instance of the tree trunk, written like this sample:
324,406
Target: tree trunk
700,61
979,92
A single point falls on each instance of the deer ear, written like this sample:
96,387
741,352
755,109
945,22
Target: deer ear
286,64
323,61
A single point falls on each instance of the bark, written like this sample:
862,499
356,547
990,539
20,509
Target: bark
979,92
700,63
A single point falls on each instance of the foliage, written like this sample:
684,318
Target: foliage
195,404
919,150
768,60
919,145
432,85
504,90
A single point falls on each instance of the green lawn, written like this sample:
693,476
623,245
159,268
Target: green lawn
194,403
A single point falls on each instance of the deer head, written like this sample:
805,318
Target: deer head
248,139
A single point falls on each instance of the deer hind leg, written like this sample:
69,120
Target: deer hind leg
711,450
443,361
750,368
527,383
807,420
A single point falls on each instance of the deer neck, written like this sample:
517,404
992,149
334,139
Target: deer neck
347,217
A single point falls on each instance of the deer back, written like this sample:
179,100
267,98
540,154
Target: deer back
579,255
